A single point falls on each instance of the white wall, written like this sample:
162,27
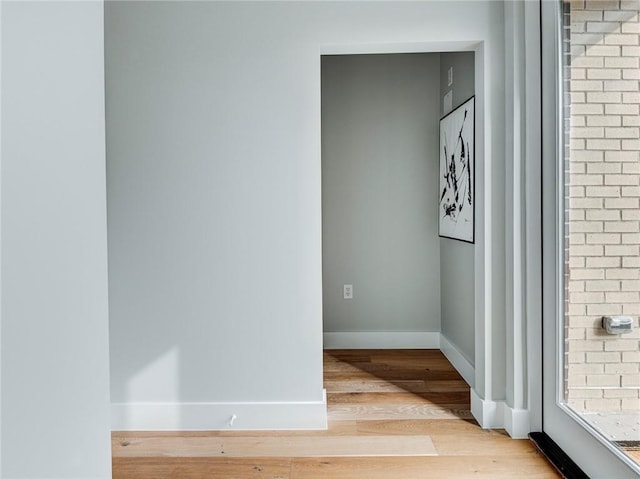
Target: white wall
456,257
379,188
214,172
55,376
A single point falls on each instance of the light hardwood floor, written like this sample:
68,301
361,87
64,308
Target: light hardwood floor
393,414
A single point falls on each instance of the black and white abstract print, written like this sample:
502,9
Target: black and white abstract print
457,163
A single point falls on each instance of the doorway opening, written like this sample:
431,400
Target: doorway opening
393,290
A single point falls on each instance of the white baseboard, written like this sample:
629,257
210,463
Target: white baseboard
489,414
217,416
459,361
382,340
498,415
517,422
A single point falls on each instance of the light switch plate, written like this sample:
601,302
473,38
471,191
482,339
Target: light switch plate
348,291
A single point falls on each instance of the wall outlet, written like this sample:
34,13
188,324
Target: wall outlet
347,291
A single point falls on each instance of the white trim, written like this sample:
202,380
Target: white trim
217,416
533,216
514,202
459,360
400,47
382,340
483,277
517,422
0,236
489,414
498,415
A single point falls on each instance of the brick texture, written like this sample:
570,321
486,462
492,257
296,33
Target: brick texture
602,45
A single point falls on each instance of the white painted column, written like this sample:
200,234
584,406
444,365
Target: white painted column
516,410
515,414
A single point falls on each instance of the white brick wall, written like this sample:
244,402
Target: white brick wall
603,267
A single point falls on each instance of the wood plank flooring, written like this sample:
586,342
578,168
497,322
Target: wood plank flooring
393,414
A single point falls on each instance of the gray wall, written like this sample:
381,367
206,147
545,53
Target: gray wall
213,178
214,184
55,350
457,257
379,185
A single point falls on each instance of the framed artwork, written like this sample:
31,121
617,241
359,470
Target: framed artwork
456,208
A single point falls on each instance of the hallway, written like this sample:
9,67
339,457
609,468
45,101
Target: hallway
393,414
